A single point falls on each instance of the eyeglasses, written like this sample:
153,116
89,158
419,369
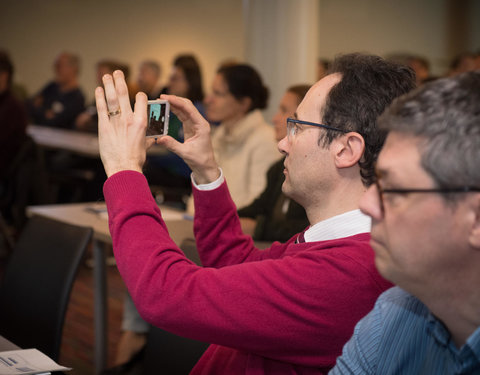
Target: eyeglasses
381,191
293,127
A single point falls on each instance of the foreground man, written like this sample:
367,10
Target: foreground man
425,209
288,309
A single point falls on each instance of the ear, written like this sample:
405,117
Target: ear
245,103
474,237
348,150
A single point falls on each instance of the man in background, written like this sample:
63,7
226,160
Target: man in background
13,118
60,102
148,77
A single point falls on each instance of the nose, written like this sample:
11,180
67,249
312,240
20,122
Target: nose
208,99
283,146
370,203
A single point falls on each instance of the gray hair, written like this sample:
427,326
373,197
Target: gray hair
445,114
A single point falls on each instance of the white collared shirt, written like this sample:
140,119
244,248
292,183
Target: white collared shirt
344,225
340,226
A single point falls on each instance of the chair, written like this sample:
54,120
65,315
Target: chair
169,354
37,283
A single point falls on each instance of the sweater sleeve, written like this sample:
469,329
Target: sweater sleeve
218,233
298,309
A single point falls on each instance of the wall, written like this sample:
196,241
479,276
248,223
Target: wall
34,32
428,27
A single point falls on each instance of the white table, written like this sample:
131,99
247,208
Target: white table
85,144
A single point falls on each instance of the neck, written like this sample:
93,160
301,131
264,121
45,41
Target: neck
68,85
343,198
458,307
230,124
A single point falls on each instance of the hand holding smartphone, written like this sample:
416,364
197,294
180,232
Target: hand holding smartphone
158,114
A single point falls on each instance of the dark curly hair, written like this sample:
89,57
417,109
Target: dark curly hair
368,85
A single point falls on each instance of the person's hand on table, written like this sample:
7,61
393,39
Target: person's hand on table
196,150
121,132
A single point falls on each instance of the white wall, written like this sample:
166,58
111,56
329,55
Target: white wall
34,32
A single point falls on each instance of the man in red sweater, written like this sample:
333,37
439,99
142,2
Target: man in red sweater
285,310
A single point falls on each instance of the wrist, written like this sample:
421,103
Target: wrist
206,175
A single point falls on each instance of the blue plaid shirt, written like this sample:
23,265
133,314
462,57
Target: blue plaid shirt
401,336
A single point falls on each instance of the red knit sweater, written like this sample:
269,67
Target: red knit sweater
285,310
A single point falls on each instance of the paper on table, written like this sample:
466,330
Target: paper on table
27,361
167,213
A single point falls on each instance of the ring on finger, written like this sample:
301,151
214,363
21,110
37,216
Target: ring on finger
114,113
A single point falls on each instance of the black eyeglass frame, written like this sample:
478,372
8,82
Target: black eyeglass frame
301,122
459,189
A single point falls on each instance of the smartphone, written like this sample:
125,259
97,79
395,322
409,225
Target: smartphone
158,114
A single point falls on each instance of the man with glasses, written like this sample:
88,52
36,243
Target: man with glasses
425,209
286,309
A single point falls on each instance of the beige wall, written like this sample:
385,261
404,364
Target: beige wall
34,32
436,29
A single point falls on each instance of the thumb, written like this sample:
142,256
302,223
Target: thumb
170,143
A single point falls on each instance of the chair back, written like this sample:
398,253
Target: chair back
169,354
37,283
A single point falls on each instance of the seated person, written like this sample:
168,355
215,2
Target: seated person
13,120
286,309
88,119
60,102
243,143
12,116
425,209
272,216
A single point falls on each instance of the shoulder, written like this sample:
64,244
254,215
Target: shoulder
397,304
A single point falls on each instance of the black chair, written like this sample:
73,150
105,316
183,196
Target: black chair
37,283
169,354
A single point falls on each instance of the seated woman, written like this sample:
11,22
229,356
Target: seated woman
244,144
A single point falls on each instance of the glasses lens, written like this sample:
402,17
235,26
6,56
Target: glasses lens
290,129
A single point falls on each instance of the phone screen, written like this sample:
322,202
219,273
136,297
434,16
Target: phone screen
158,113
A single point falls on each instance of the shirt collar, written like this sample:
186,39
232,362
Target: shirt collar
344,225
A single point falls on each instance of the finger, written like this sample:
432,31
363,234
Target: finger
150,142
140,109
110,93
102,109
170,143
183,108
122,92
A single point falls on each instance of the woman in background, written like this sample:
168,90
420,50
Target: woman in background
169,173
244,144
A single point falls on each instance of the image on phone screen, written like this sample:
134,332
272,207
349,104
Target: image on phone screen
157,118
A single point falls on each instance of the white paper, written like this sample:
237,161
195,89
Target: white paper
27,361
168,214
